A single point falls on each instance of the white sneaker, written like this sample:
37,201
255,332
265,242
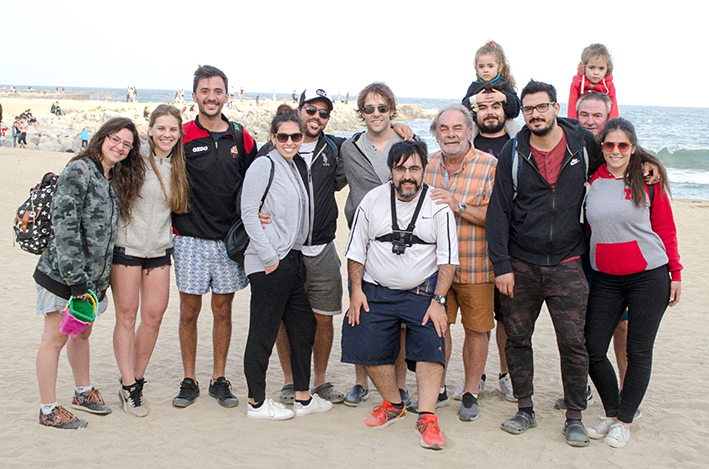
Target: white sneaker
132,401
317,405
600,430
269,410
481,384
618,436
458,394
504,385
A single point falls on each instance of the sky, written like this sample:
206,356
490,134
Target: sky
420,51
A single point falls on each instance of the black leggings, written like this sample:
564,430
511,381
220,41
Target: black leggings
646,295
279,296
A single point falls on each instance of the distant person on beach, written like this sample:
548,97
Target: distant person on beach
146,113
241,94
218,153
277,273
90,193
258,98
364,156
320,167
140,276
16,131
22,137
84,134
400,276
644,276
493,68
594,75
461,177
533,233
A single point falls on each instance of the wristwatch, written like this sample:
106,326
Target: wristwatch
440,299
461,208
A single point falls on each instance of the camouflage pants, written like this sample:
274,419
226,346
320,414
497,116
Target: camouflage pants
565,290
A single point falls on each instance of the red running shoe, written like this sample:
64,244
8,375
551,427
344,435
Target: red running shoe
428,431
384,415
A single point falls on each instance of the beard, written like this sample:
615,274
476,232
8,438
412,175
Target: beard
542,131
406,194
492,127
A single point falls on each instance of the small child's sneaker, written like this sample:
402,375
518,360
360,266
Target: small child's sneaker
59,417
90,401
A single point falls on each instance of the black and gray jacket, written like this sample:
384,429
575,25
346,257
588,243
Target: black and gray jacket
84,215
325,176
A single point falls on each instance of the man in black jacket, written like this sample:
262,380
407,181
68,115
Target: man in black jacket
319,164
536,241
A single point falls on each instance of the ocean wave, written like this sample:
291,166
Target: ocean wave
687,176
684,158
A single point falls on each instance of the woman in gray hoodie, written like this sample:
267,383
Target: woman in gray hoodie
274,265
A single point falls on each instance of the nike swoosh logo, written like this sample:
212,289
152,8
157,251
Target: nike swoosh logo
573,162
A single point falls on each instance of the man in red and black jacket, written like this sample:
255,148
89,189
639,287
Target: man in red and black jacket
217,155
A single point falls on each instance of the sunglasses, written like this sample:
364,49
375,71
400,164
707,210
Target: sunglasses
311,110
608,147
382,108
283,138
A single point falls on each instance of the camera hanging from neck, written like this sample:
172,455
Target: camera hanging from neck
401,239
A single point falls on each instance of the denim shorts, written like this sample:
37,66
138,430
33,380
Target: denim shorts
376,340
203,264
48,302
146,263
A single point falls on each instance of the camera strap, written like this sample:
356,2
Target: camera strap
406,236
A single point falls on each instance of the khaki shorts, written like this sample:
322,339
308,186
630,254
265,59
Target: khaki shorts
476,303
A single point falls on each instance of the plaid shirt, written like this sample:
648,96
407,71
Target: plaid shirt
472,184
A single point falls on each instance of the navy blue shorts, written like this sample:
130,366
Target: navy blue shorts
146,263
376,339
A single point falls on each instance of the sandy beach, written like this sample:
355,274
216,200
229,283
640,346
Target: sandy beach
672,432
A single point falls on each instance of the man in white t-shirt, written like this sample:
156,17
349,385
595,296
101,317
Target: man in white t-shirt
402,252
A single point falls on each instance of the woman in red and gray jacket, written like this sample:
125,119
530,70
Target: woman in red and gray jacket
636,262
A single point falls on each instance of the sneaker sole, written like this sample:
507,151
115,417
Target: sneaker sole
91,411
182,403
466,418
84,424
425,445
227,403
257,416
355,404
387,423
615,444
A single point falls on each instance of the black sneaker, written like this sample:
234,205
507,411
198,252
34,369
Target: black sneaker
189,391
221,390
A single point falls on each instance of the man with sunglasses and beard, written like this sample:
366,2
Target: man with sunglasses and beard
536,241
217,154
364,156
319,165
402,252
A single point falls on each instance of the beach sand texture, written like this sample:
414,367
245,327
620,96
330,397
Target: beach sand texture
673,431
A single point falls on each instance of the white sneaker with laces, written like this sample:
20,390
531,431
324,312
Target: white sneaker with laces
618,435
504,385
317,405
600,430
269,410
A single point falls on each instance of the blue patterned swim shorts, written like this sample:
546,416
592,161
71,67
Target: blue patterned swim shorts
201,264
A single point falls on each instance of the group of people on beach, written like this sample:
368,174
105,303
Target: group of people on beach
571,212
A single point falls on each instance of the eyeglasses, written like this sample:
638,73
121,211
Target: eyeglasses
608,147
541,108
311,110
403,169
116,141
283,138
382,108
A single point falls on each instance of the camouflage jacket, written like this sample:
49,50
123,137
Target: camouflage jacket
84,215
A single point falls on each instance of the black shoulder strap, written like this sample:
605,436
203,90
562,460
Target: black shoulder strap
407,236
270,180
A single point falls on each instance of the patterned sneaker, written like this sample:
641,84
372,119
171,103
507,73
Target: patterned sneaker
384,415
429,434
221,391
90,401
317,405
600,430
504,385
132,400
59,417
189,391
618,435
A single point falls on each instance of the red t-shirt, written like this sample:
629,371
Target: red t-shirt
549,162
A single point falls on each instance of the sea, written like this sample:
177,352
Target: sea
679,136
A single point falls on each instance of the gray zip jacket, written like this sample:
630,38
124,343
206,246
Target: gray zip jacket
286,203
